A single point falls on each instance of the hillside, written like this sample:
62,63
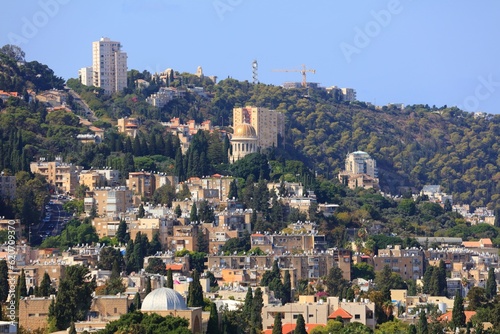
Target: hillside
415,146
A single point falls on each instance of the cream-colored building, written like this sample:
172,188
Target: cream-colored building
316,311
109,65
128,126
108,201
268,124
64,176
85,74
360,171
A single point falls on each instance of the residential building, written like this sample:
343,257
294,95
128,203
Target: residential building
106,226
128,126
317,311
436,195
63,176
34,312
95,178
109,65
85,74
7,186
360,171
109,201
408,263
268,124
141,183
183,237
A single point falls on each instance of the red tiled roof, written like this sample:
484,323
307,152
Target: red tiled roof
448,316
340,312
174,266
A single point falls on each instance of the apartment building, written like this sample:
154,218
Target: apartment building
109,201
408,263
268,124
151,226
85,74
360,171
109,65
128,126
141,183
63,176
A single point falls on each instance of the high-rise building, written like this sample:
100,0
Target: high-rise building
360,162
268,124
85,75
109,65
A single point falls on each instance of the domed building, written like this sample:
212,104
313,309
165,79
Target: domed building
243,141
165,301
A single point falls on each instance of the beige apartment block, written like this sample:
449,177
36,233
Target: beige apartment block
34,312
408,263
268,124
150,226
109,201
128,126
141,183
106,226
64,176
109,65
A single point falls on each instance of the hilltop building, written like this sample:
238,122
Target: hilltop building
109,66
360,171
255,128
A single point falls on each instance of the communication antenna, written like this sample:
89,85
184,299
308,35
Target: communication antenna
255,69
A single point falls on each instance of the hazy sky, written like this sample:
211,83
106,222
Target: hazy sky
430,52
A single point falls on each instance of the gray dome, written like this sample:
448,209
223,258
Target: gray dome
163,299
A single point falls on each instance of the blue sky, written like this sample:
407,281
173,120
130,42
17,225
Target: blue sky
396,51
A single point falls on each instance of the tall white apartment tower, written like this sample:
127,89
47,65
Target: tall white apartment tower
109,65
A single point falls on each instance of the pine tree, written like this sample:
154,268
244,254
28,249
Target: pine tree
491,284
195,293
170,279
277,327
300,326
213,321
458,313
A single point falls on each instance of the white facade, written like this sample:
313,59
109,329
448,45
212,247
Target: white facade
361,163
85,75
109,65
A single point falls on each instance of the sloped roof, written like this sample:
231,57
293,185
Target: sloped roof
448,316
340,312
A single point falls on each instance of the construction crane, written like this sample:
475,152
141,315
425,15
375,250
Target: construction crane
303,71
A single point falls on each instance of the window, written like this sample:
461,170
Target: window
357,316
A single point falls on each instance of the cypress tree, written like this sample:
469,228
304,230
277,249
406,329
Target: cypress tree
300,327
148,285
442,285
277,327
22,291
458,313
193,216
423,326
137,301
170,280
233,190
247,306
4,281
287,288
178,211
213,321
121,234
141,212
491,284
45,287
179,165
256,315
195,295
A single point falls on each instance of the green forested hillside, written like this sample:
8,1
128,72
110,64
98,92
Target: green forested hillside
415,146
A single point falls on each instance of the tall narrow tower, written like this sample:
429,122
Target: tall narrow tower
255,69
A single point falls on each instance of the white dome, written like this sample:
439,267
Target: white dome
163,299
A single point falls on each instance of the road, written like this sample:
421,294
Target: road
87,112
54,221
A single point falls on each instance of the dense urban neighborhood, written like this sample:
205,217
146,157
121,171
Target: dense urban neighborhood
138,202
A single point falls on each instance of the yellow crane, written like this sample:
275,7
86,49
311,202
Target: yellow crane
303,71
